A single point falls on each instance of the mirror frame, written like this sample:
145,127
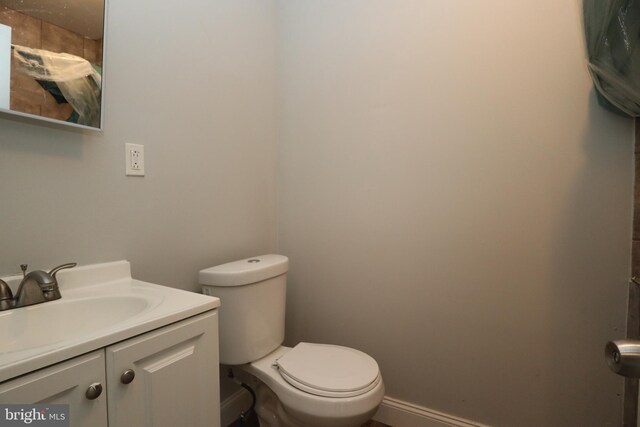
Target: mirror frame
10,114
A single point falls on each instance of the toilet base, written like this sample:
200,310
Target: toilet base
271,413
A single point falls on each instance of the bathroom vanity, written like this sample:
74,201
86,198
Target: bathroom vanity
118,351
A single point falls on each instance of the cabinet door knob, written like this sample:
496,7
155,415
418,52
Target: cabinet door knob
127,376
94,391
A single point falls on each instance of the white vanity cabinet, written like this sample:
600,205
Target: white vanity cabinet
176,376
174,382
66,383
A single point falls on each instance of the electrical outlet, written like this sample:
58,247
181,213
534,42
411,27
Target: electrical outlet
134,159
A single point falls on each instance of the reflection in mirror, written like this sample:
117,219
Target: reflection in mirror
51,59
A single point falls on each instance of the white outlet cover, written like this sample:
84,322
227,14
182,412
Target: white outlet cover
134,159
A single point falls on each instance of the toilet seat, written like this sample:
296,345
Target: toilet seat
329,370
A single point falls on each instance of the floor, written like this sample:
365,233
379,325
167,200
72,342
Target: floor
253,422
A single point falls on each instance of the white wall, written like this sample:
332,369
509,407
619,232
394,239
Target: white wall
455,203
196,86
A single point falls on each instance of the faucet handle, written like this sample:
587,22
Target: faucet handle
6,296
55,270
23,267
5,290
51,291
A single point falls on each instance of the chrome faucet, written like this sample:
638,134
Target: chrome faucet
6,297
36,287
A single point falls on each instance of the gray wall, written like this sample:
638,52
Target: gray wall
455,203
196,85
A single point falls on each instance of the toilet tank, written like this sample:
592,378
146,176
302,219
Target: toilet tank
253,294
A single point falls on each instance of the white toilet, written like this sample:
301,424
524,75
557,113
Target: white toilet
311,385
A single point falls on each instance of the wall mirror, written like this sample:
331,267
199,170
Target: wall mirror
51,57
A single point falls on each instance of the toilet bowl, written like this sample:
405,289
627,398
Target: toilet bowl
309,385
338,400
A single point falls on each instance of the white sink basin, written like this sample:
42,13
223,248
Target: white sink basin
101,304
48,323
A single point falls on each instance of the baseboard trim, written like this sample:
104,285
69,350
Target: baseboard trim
397,413
393,412
232,407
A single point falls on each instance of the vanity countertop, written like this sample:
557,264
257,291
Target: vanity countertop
101,304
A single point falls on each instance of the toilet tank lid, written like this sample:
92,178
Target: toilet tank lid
245,271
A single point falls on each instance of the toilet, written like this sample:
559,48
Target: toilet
310,385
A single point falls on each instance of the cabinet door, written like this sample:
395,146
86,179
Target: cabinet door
176,376
64,383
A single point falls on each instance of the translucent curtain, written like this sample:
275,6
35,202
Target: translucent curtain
78,81
613,34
